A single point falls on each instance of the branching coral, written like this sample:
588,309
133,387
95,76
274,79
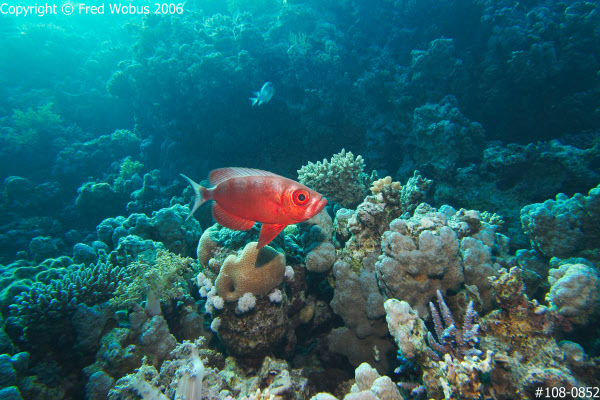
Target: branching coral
389,190
458,343
341,180
160,279
452,367
57,299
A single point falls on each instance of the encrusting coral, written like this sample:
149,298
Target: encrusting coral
255,271
341,180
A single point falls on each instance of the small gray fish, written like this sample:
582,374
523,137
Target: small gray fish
264,95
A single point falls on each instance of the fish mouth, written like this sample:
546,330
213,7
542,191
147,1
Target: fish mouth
317,206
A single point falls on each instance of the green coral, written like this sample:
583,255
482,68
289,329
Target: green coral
159,278
31,124
129,168
341,180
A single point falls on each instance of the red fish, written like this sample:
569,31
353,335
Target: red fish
243,196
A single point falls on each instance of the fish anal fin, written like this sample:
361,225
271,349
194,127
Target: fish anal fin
217,176
228,220
268,232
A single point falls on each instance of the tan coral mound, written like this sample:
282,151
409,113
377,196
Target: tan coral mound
254,271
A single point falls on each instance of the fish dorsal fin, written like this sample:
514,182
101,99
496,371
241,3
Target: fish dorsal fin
268,232
228,220
217,176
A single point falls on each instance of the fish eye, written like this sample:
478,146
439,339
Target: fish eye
301,197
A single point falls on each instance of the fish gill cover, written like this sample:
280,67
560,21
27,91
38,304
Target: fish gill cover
458,145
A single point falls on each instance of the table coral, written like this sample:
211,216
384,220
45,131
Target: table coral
255,271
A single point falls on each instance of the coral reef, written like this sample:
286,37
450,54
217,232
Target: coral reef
565,227
442,136
574,292
48,302
169,225
520,336
33,127
341,179
494,102
452,366
253,271
159,277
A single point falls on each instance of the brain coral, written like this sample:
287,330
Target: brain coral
255,271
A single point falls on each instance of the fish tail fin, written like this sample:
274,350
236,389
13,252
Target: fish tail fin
199,191
253,100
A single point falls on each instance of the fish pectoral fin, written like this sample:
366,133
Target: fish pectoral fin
268,232
228,220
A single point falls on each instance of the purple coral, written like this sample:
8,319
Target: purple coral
458,343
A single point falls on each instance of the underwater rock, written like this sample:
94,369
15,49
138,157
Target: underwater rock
520,337
357,299
262,331
98,200
376,351
320,258
408,330
81,160
423,254
156,340
169,225
311,243
88,324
